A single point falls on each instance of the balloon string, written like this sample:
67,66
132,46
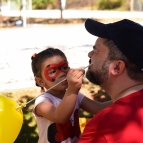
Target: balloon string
24,104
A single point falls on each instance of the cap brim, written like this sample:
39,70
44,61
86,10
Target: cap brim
96,28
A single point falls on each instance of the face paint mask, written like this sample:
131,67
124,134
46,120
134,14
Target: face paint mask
53,70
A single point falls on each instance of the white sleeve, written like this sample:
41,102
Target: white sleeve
42,98
80,97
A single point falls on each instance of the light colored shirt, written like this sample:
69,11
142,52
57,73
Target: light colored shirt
50,132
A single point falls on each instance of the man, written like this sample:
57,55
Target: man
117,66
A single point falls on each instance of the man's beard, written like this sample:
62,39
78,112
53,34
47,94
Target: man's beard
100,75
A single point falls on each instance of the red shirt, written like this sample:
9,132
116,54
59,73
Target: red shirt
122,122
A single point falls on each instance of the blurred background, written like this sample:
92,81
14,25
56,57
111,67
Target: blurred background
30,26
22,12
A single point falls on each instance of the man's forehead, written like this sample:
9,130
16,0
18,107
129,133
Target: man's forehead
100,46
100,40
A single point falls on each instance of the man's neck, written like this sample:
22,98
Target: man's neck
128,91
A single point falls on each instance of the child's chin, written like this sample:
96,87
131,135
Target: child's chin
64,85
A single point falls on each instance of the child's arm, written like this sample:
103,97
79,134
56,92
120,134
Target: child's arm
63,111
93,106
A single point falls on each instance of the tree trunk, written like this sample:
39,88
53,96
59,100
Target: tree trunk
131,5
61,11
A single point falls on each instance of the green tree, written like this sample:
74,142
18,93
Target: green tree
109,4
42,4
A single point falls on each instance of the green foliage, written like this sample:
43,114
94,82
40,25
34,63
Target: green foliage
28,133
109,4
97,94
42,4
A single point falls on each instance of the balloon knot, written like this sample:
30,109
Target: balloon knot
20,106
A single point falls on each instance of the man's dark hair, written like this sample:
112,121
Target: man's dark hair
115,54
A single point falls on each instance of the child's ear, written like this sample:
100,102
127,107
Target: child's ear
117,67
39,81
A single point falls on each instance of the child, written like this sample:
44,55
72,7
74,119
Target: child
56,111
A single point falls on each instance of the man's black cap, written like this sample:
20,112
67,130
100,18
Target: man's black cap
126,34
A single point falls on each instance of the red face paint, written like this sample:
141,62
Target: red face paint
53,70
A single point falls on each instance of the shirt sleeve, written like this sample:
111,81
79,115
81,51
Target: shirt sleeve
80,97
91,133
93,139
91,136
41,98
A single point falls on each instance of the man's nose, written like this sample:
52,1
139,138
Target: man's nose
90,54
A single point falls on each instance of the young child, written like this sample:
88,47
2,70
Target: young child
56,111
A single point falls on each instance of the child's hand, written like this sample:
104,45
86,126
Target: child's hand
74,78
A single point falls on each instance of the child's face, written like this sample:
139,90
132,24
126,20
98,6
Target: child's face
54,70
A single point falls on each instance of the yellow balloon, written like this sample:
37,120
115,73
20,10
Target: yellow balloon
11,120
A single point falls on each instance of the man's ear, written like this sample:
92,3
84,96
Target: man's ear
117,67
39,81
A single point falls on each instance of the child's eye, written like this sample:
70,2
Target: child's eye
65,68
52,72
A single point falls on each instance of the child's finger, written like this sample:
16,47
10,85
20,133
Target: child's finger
75,73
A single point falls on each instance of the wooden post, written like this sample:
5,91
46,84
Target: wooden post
131,5
24,13
1,18
61,11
